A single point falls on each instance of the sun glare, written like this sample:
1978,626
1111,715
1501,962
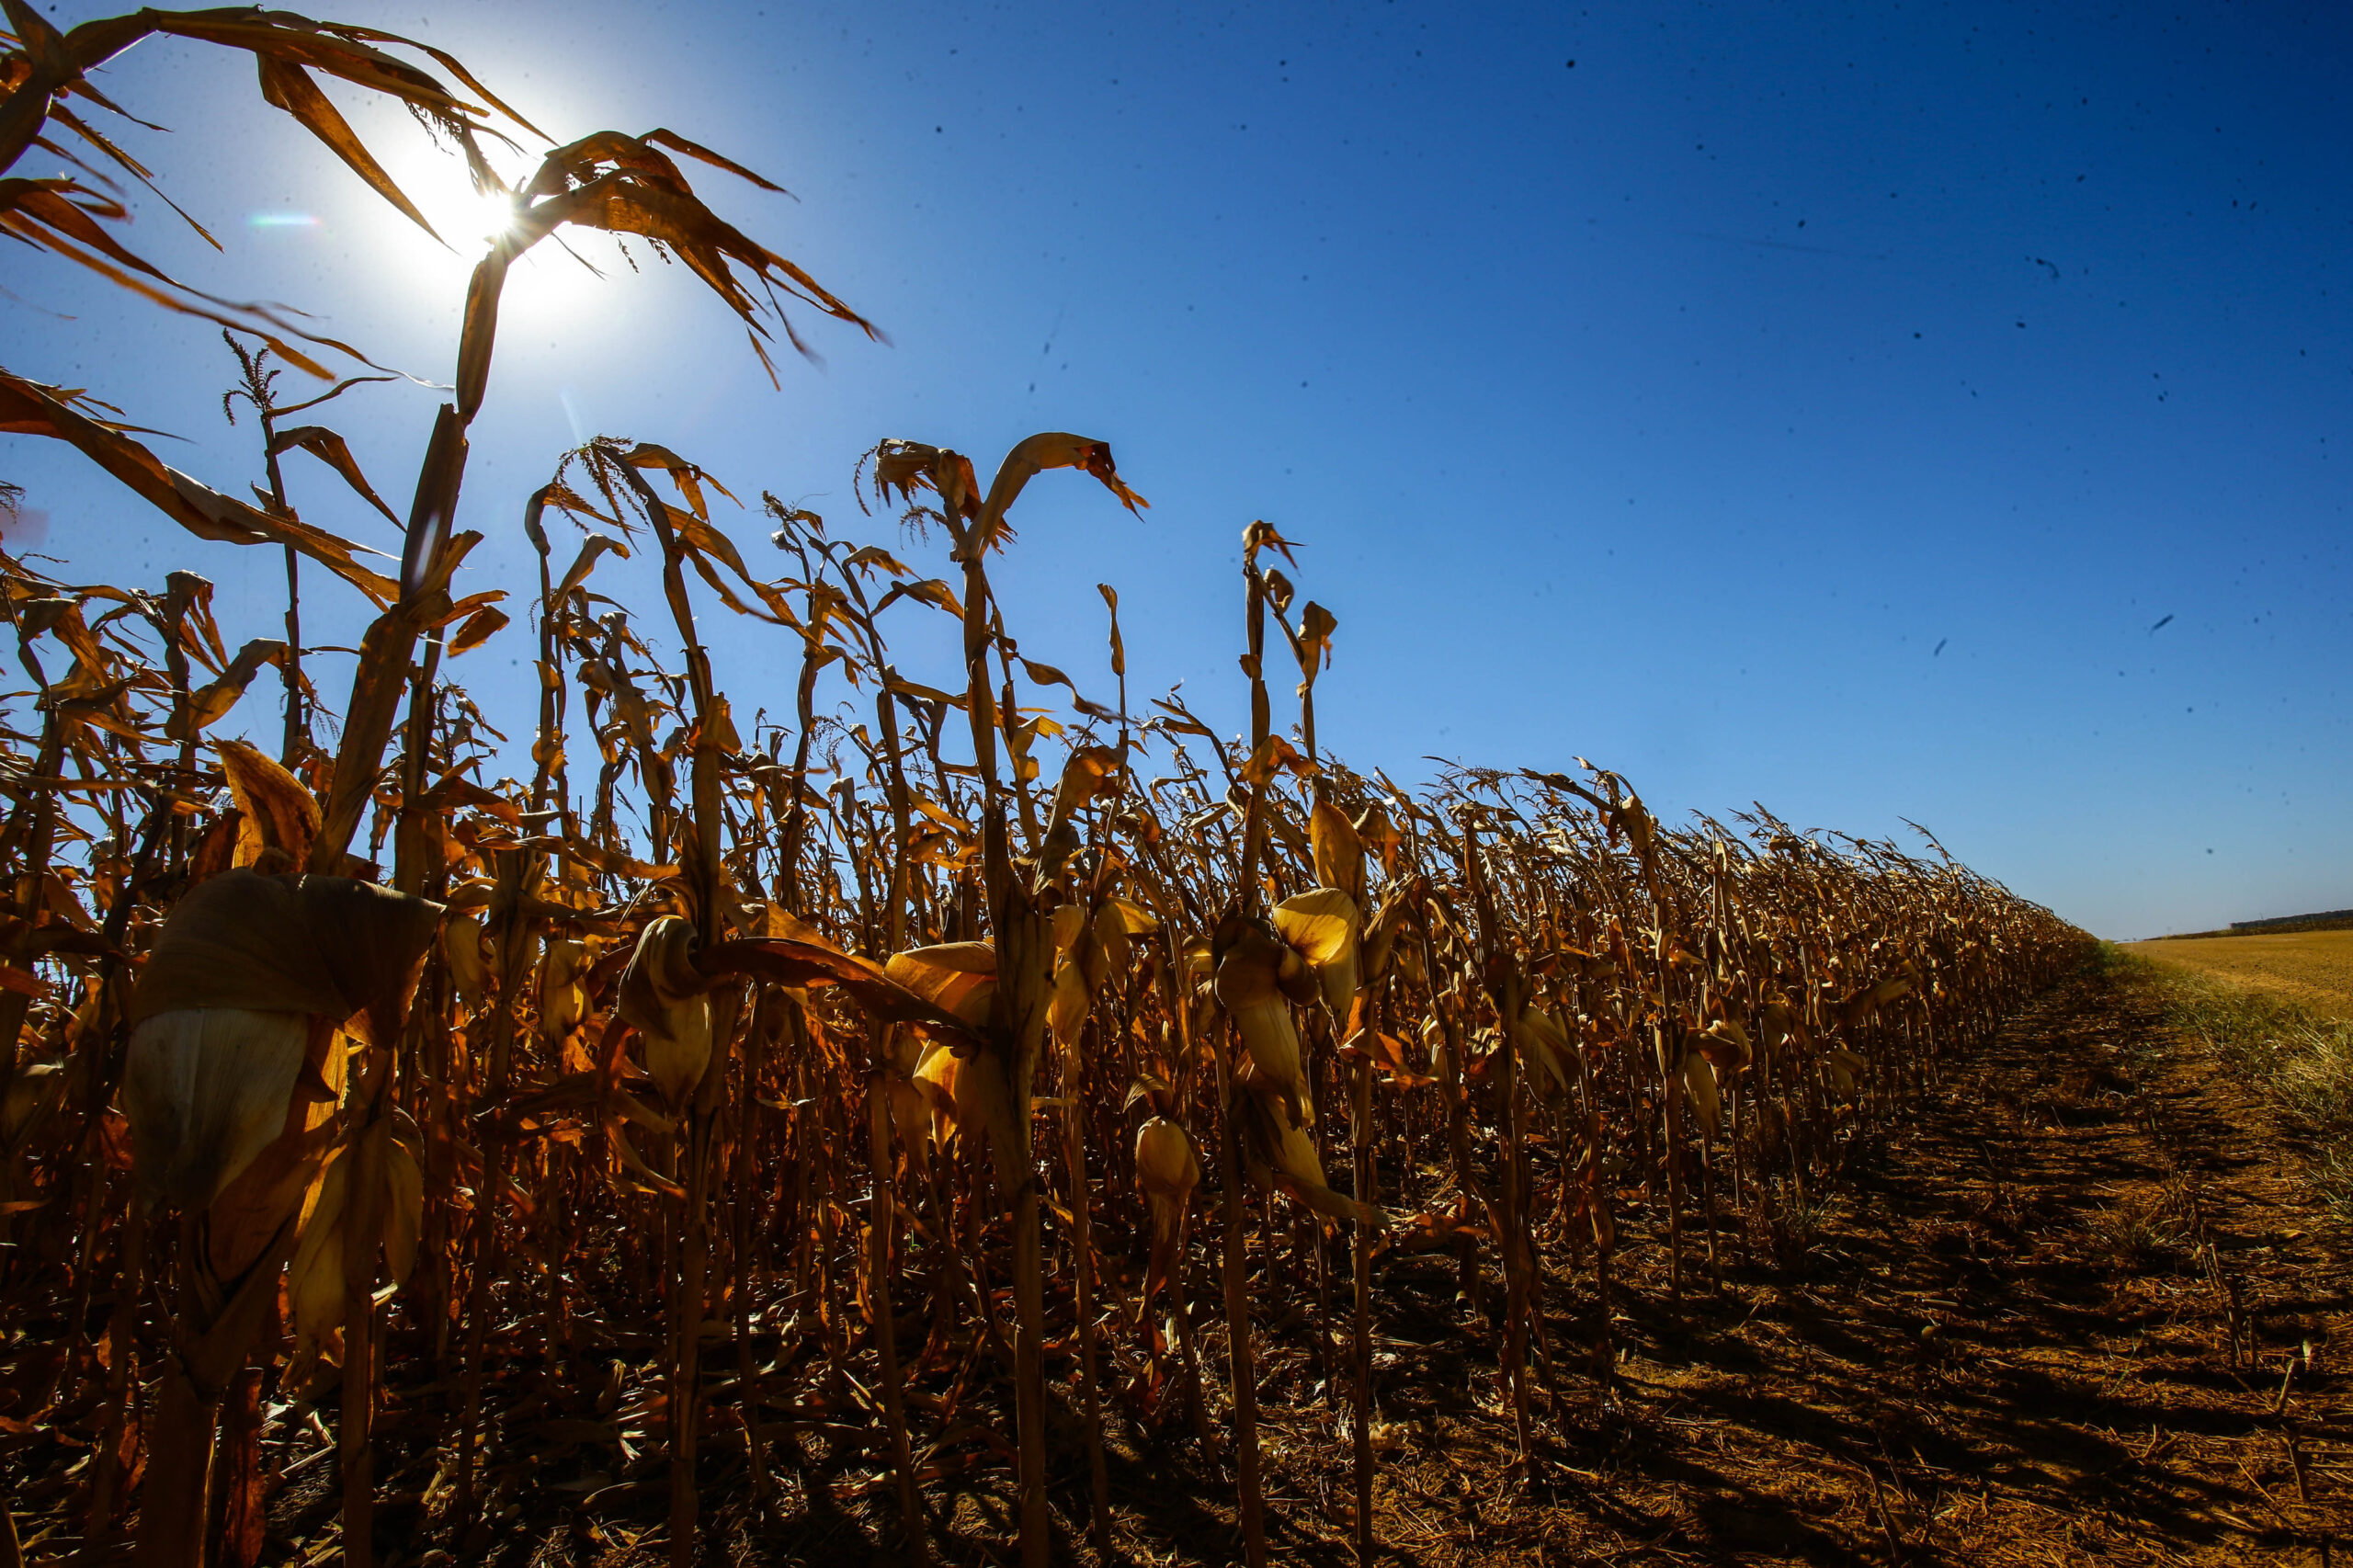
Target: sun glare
490,217
469,222
465,218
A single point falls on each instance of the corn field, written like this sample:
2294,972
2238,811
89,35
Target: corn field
916,1080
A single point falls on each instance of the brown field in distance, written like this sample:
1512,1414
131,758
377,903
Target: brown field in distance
2314,968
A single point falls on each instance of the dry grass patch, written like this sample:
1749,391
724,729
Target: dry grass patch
2311,968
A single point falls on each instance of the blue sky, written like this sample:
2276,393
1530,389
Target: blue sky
1811,405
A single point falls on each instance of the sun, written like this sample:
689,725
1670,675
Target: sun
466,224
489,217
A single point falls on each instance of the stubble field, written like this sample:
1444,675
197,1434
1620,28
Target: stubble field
2312,967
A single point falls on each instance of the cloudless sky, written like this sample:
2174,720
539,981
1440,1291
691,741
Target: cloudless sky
1823,406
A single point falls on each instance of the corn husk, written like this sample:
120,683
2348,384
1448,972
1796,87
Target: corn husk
1117,925
1337,850
1700,1092
315,1284
1321,926
468,967
911,1120
1726,1044
934,1078
277,817
665,999
331,946
1200,958
315,1277
1070,921
403,1209
1544,1051
1249,987
1167,1170
955,977
207,1090
1066,1012
960,978
563,1000
1374,828
1373,949
1281,1154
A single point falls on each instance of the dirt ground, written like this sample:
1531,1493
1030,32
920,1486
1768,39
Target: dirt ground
2081,1310
2314,968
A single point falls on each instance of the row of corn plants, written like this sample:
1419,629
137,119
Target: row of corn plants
874,1082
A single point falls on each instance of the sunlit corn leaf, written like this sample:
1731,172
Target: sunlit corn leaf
477,629
28,408
209,703
1545,1049
818,964
1051,448
959,978
1312,644
330,448
624,185
585,562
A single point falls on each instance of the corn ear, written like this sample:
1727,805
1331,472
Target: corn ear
278,818
1282,1156
207,1089
663,998
1167,1170
1545,1049
403,1209
469,968
1700,1092
1067,1013
315,1289
1321,926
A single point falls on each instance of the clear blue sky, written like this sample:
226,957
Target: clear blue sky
1811,405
